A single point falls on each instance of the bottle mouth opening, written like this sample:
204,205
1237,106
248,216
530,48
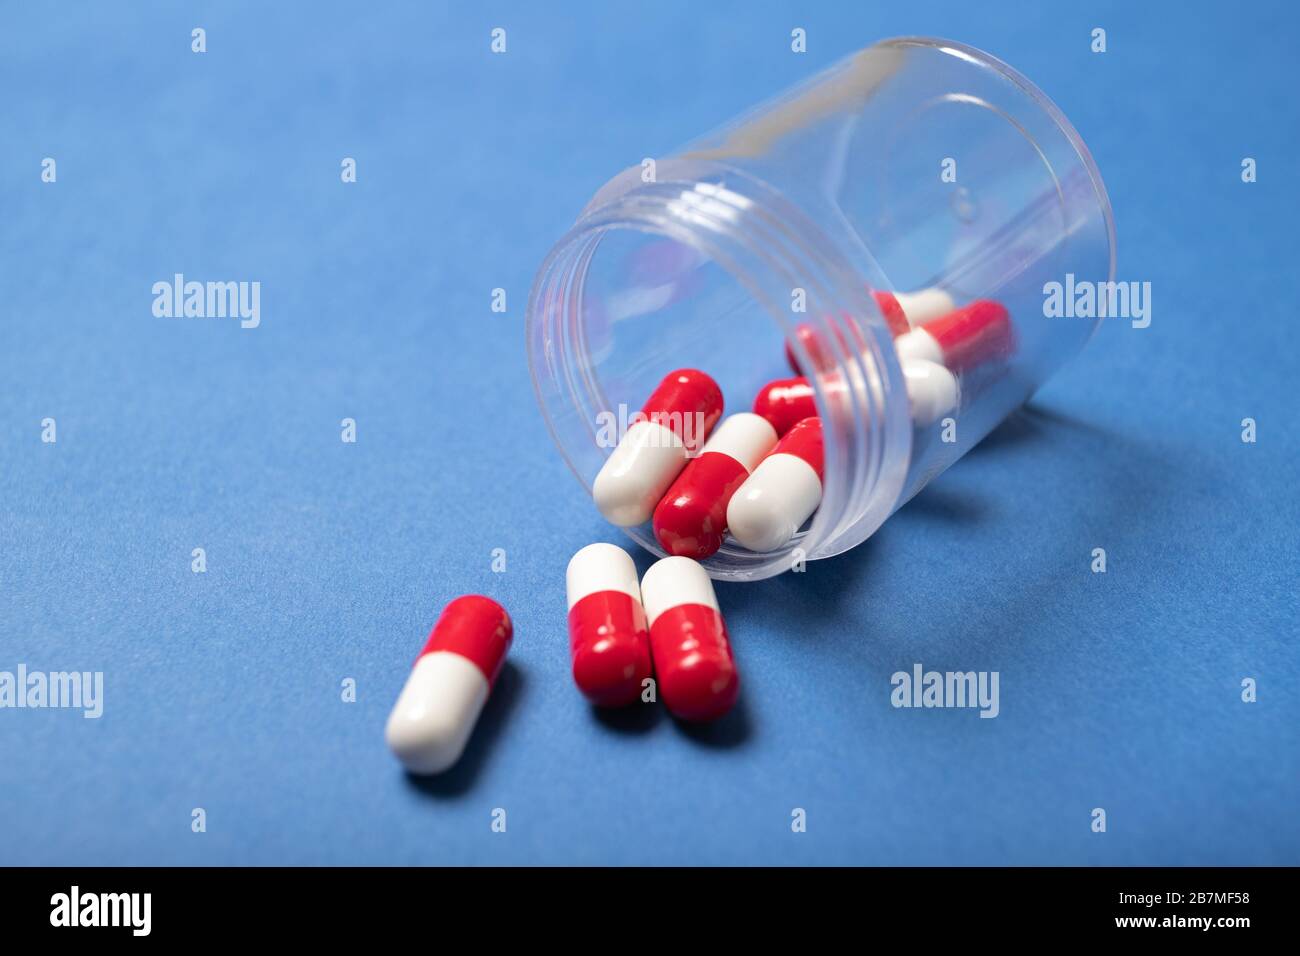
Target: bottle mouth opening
691,271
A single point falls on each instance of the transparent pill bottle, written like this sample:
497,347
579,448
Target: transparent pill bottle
914,164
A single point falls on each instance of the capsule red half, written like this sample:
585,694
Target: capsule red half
815,344
689,403
786,402
692,653
893,313
692,517
964,338
812,343
608,636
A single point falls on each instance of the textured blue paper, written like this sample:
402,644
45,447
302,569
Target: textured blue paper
328,561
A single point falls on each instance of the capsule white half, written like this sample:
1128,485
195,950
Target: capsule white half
601,567
637,474
775,501
745,437
924,306
918,345
672,582
436,712
932,390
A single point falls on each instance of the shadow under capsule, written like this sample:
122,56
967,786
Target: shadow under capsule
491,725
638,718
728,731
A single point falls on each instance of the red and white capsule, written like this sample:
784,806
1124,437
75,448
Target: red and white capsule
694,666
902,311
449,684
674,423
692,517
782,493
609,638
964,338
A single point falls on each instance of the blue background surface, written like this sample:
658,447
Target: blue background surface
328,560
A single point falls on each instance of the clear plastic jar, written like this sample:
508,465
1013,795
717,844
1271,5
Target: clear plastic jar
913,164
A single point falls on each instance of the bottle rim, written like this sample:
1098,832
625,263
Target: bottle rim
768,246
